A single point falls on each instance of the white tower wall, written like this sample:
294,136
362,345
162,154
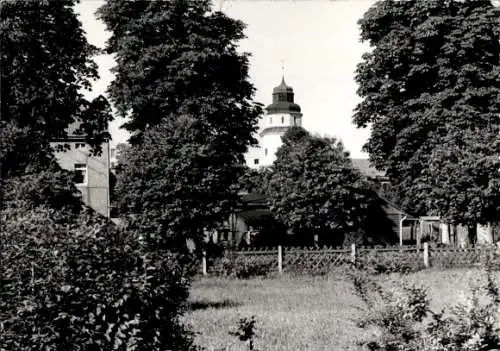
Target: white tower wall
281,115
270,144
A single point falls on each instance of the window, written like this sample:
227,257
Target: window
80,176
256,161
79,145
282,119
270,120
265,152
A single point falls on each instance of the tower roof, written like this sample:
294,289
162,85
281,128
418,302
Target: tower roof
282,88
283,99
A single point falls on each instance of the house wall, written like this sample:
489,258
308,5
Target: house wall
95,193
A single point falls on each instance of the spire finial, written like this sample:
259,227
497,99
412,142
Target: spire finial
283,70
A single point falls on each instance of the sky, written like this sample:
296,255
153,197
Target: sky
318,42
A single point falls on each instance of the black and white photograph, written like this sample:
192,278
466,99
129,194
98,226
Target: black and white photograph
250,175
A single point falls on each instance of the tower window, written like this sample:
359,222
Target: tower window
265,152
256,161
80,176
282,119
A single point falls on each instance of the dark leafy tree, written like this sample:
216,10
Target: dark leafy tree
173,186
185,89
255,180
431,86
464,179
314,188
68,279
179,57
46,61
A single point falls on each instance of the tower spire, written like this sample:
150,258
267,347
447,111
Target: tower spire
282,70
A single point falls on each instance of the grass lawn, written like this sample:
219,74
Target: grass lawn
302,313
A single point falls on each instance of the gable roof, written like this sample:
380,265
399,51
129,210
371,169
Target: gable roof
392,208
363,165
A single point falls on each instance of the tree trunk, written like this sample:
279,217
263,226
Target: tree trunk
445,233
484,234
462,236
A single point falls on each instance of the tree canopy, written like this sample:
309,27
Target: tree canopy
255,180
46,61
431,90
69,279
314,189
174,185
186,92
179,57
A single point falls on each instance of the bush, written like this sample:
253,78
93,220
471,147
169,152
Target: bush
76,283
232,265
405,321
389,262
253,269
246,332
357,237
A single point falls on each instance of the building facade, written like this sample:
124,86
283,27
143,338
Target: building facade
91,172
282,114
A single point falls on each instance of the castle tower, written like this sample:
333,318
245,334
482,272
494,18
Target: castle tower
282,114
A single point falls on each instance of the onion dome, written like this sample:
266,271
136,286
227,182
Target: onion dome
283,100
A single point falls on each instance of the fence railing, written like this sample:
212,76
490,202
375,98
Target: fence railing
322,260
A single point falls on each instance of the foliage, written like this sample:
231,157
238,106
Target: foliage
30,175
51,187
246,331
389,192
190,112
475,195
405,321
254,269
76,283
389,262
179,57
255,180
69,280
233,265
45,62
314,188
429,88
357,237
174,185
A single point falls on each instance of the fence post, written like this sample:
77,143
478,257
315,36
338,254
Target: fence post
353,253
280,260
426,255
420,234
204,263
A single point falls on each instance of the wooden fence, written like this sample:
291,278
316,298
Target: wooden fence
314,260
